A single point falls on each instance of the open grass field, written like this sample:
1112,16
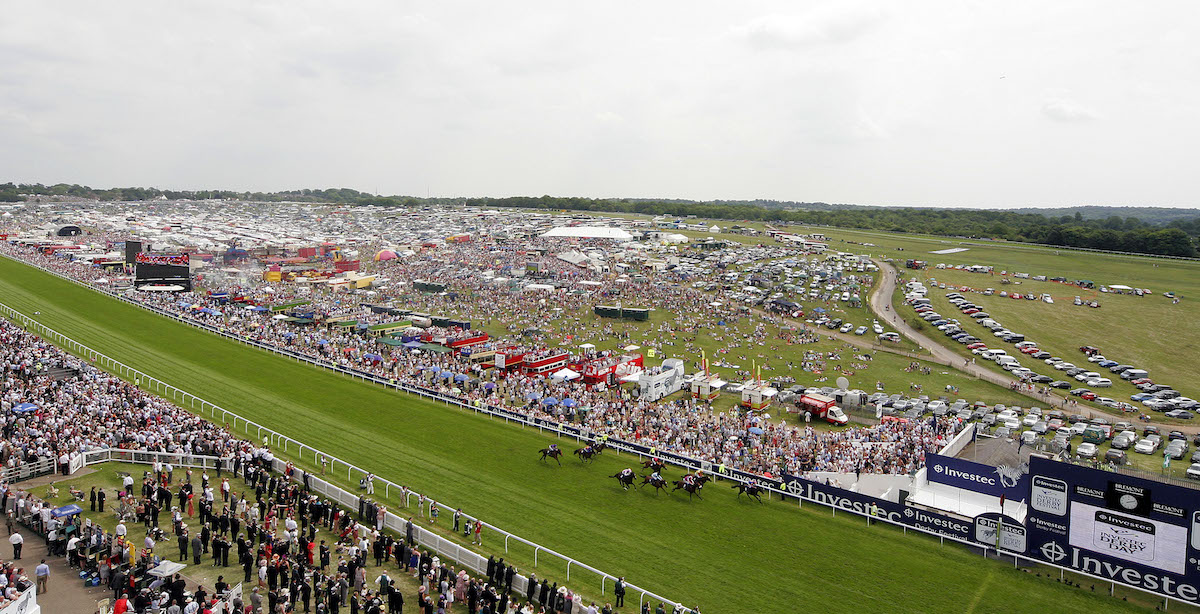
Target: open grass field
723,555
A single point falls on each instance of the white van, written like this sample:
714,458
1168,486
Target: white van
1133,374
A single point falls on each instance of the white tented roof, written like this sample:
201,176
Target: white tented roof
589,232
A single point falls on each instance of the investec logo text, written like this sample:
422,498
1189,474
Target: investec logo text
1162,584
964,475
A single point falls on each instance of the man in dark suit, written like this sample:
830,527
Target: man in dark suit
196,550
183,546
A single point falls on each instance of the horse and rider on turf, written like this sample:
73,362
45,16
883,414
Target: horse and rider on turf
691,484
589,452
625,477
552,452
751,489
656,480
654,464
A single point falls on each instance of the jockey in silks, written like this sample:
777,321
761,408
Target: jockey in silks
627,472
654,477
690,480
554,447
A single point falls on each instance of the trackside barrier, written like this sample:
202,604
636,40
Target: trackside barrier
287,444
28,471
508,415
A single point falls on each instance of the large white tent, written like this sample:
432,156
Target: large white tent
589,232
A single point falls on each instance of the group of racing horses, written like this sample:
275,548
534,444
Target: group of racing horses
690,483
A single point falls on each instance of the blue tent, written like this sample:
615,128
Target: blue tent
549,401
447,374
489,385
66,510
754,430
259,308
460,378
568,403
413,344
530,396
24,408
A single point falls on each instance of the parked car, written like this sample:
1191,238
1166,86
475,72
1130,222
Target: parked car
1117,457
1193,472
1181,414
1146,446
1086,450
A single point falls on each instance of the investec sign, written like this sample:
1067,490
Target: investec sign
1066,555
995,481
1125,529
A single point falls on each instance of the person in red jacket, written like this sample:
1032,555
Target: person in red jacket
122,605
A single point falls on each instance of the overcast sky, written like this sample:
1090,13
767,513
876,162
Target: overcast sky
993,104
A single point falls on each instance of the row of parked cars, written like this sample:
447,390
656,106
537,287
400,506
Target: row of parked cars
1157,397
1161,397
1122,436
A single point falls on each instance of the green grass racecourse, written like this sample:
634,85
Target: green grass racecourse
720,554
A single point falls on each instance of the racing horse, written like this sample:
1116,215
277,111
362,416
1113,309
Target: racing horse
750,490
691,488
554,453
658,484
587,454
625,477
654,464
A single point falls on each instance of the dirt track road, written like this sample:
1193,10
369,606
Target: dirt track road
881,301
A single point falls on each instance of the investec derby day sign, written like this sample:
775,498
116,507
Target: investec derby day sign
1010,481
1133,531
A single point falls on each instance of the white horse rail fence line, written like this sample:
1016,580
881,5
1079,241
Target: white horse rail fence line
27,471
289,445
783,495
